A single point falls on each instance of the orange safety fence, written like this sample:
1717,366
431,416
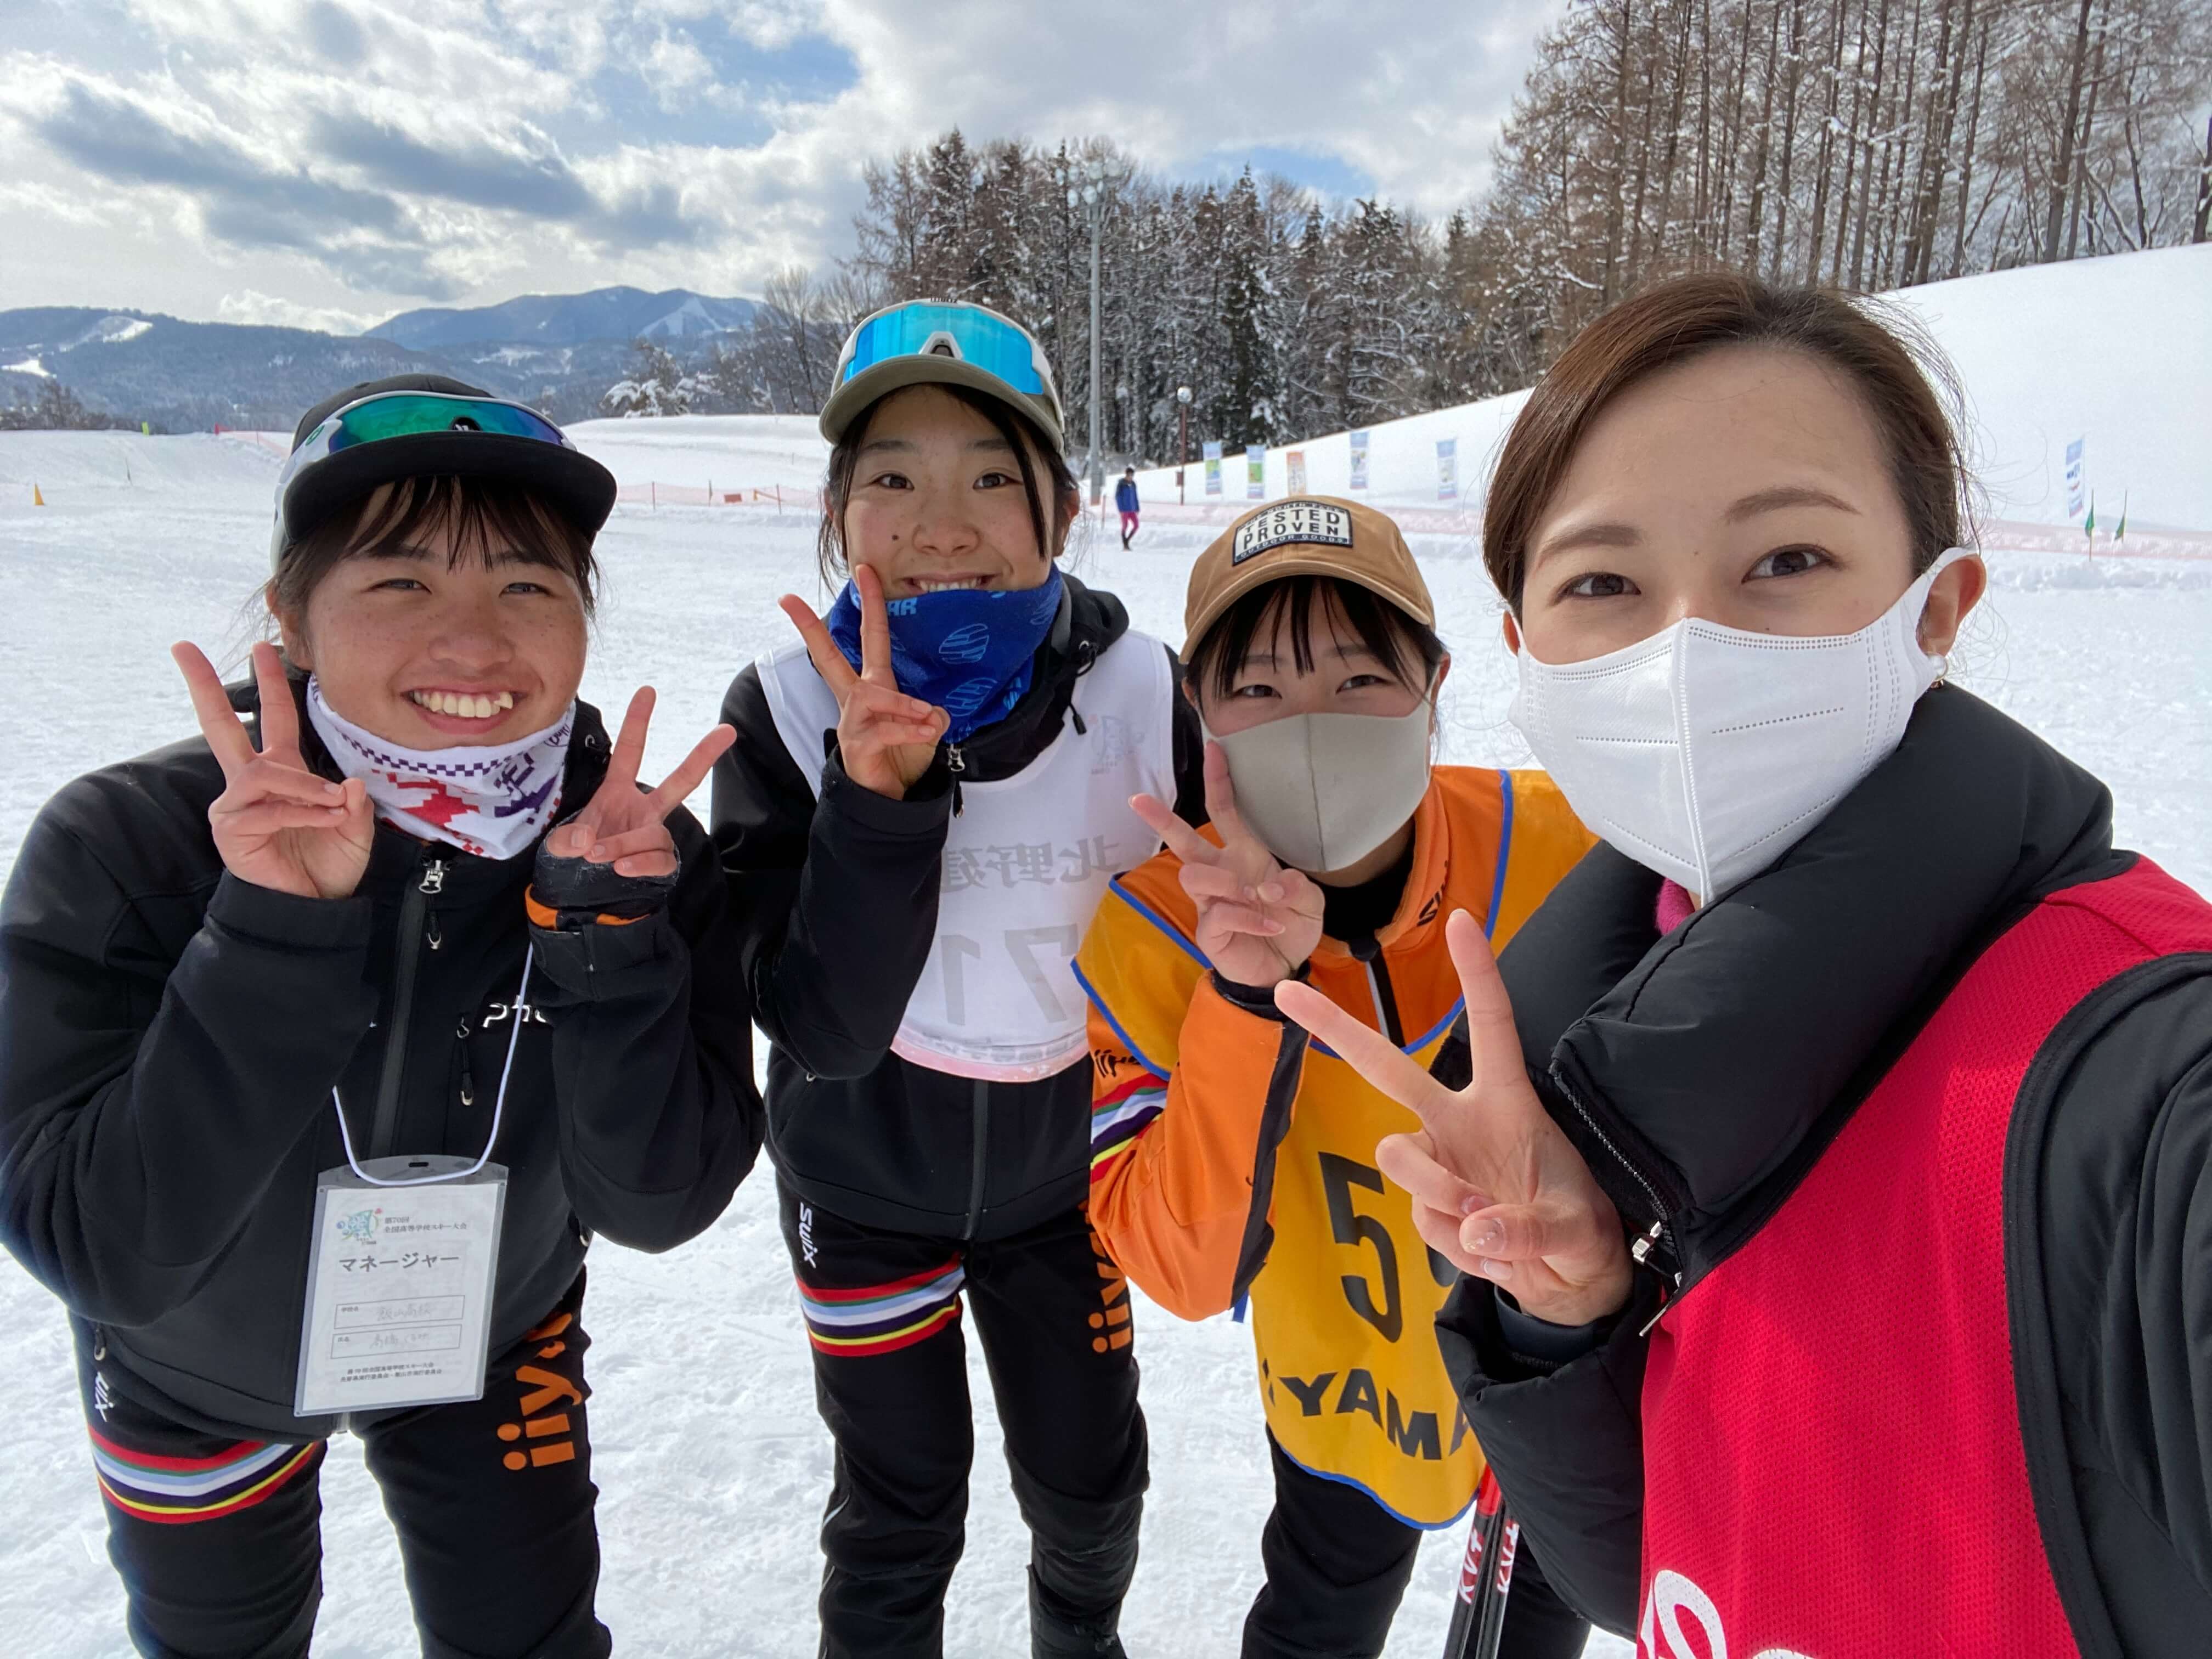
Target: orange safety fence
1413,520
1998,535
1461,520
776,498
272,441
2002,535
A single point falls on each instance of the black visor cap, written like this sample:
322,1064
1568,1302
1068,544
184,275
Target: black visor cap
571,482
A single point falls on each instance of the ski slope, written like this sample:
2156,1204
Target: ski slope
711,1463
2116,352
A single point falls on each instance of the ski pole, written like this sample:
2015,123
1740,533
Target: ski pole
1485,1576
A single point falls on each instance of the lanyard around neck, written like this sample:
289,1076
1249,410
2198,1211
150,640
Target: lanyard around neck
522,1012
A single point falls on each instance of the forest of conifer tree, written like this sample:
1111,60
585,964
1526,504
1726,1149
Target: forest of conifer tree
1869,144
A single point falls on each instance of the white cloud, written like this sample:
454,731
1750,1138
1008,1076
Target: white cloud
361,160
266,310
48,202
675,69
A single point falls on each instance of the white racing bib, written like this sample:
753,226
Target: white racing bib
1026,861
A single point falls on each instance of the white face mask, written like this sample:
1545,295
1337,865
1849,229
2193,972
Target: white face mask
1706,753
1323,791
491,799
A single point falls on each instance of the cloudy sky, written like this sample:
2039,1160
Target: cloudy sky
328,162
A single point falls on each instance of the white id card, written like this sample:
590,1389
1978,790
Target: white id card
399,1285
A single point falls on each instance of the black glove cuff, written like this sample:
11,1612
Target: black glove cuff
578,889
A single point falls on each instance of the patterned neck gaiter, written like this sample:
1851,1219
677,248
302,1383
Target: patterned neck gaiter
493,800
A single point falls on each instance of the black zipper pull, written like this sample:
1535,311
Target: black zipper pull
468,1082
434,881
1650,1244
955,763
1654,1249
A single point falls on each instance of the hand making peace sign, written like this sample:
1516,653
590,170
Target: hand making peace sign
276,824
885,739
1496,1187
624,826
1257,922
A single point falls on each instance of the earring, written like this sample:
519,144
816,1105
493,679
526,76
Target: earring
1942,670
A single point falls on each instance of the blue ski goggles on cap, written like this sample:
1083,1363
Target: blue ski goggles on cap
416,415
383,437
969,333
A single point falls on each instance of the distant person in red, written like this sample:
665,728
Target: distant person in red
1124,502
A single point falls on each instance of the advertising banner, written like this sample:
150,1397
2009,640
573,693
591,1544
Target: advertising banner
2075,468
1294,465
1447,469
1214,468
1360,461
1255,472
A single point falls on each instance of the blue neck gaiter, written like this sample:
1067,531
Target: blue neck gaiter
971,652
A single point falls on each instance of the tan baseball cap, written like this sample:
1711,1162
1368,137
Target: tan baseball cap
1305,536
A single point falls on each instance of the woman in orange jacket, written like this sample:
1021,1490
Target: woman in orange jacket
1233,1161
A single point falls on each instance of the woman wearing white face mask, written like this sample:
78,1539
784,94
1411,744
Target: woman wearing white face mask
1228,1159
328,1038
1830,1183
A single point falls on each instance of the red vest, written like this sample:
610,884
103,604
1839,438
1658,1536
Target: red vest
1832,1456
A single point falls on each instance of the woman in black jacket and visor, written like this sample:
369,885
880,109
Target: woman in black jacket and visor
925,803
309,1104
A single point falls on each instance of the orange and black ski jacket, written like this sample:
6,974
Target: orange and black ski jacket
1231,1158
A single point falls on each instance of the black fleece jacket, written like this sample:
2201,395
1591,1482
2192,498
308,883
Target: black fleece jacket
170,1035
1703,1075
836,908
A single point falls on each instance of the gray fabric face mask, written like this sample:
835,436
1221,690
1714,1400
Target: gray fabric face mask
1323,791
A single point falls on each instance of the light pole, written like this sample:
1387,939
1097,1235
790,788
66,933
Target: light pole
1090,197
1182,438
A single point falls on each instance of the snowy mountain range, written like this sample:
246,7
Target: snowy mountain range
567,320
559,351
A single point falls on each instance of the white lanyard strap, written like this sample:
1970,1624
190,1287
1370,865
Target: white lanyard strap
522,1012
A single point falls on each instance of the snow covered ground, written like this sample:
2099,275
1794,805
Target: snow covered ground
711,1460
749,452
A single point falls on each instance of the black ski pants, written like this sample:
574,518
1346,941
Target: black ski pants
1337,1565
219,1541
884,1312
